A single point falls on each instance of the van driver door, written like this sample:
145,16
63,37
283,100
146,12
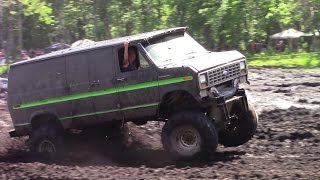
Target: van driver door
137,89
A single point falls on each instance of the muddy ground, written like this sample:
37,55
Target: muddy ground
286,145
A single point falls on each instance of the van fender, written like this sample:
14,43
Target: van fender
185,89
52,118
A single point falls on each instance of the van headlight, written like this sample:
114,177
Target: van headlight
243,68
236,82
203,81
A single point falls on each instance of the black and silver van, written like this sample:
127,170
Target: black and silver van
194,91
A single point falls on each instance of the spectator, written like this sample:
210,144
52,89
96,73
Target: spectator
2,57
24,55
32,53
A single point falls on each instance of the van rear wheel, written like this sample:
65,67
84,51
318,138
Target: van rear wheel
45,140
189,134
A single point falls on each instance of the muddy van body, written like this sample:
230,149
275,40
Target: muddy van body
176,80
61,85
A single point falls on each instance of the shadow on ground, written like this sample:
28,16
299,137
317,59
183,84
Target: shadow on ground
80,152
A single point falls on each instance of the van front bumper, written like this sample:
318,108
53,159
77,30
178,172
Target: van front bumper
225,105
13,133
238,95
19,131
222,105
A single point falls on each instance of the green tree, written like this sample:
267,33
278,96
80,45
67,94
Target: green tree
220,23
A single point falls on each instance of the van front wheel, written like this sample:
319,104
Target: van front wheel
240,128
189,134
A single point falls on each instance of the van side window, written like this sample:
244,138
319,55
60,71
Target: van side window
133,59
143,62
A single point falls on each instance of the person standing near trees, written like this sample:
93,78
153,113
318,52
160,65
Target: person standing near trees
2,57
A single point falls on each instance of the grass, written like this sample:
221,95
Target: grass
313,70
310,61
3,69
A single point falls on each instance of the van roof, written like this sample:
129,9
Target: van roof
105,43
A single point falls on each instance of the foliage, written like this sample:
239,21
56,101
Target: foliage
38,7
220,23
3,69
302,60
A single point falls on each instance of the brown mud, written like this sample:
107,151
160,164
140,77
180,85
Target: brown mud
286,145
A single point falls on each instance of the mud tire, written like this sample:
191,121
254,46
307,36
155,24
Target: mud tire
246,127
46,141
183,124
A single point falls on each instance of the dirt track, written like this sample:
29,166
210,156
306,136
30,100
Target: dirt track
286,145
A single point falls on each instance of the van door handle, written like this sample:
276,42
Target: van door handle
121,79
95,83
164,76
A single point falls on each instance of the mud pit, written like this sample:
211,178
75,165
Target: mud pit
286,145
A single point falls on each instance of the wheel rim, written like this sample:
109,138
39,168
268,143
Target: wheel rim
46,146
186,140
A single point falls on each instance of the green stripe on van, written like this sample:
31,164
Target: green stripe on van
100,112
103,92
19,125
110,111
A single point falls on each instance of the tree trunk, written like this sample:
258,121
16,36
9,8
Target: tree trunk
9,44
181,8
128,24
107,28
12,49
144,15
159,9
20,35
208,37
1,24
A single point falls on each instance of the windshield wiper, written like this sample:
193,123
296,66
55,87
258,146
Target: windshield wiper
166,60
189,57
192,52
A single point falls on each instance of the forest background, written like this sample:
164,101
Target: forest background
224,24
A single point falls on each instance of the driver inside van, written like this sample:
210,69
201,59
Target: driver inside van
129,58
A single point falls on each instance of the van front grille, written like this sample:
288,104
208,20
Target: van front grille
223,74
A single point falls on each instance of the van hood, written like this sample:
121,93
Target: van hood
201,62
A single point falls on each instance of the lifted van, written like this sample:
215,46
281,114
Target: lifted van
175,80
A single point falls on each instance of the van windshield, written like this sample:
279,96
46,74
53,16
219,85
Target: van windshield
172,49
